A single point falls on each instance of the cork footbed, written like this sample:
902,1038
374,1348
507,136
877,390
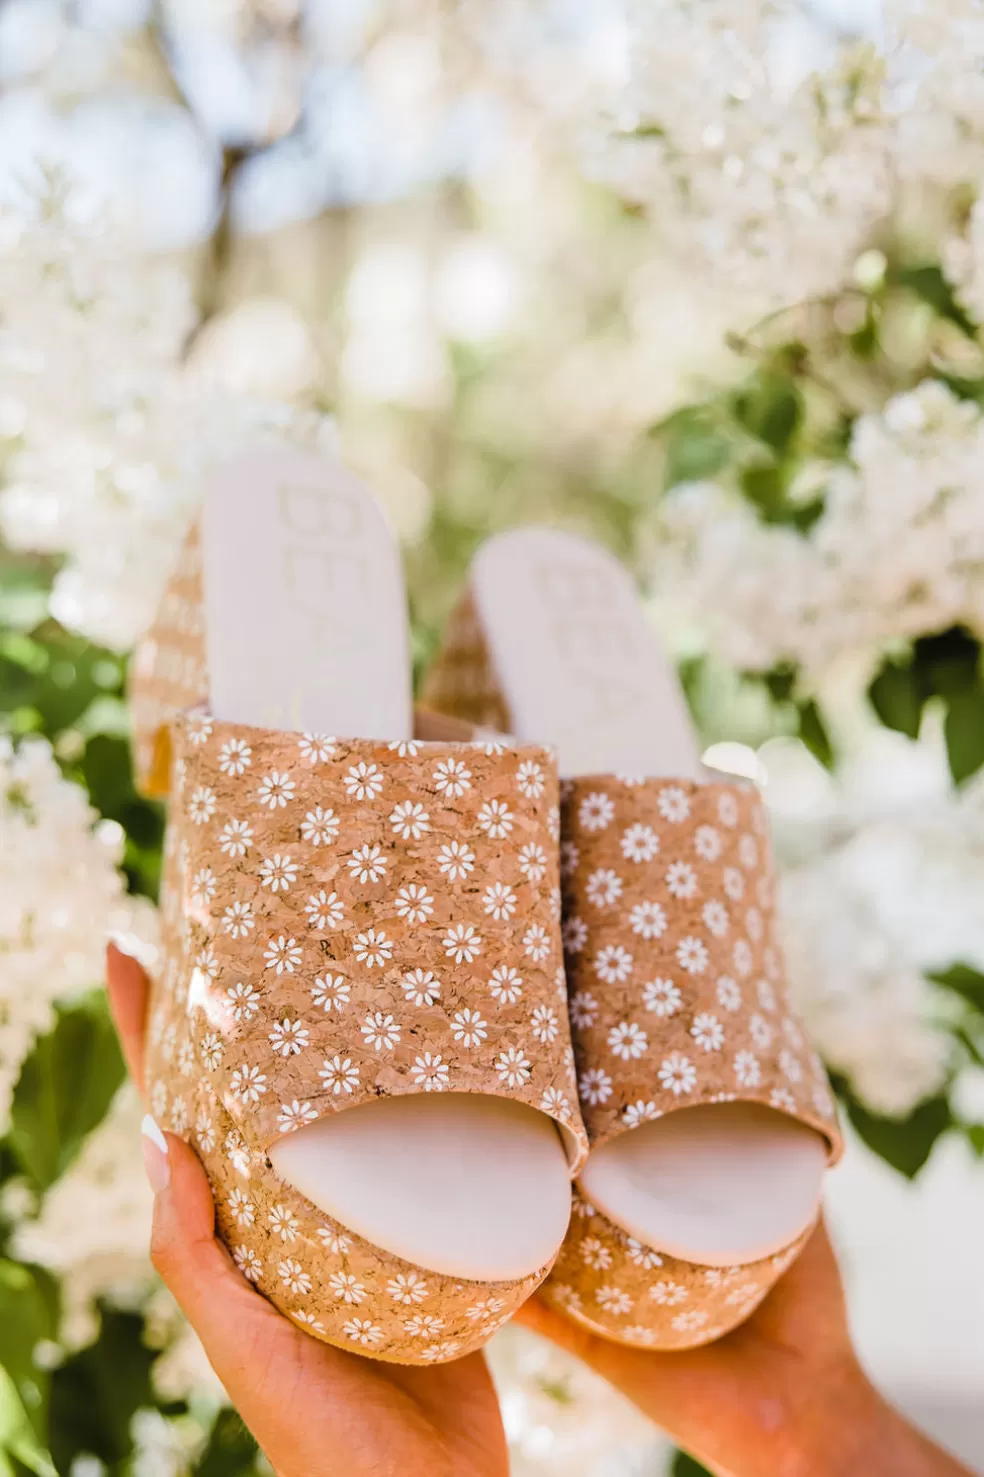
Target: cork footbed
284,557
675,980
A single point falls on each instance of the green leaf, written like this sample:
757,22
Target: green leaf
685,1466
695,445
964,729
231,1450
65,1088
947,663
898,699
28,1314
764,484
905,1143
814,734
963,981
96,1393
18,1439
975,1137
770,408
929,284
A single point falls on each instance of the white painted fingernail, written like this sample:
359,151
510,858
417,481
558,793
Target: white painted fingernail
155,1155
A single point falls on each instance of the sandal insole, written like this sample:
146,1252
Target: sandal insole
580,669
307,631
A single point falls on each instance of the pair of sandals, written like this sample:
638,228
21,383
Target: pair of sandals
415,986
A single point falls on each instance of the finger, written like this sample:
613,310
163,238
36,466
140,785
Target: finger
129,994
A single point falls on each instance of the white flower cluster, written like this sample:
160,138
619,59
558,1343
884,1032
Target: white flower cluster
881,876
108,430
61,894
898,551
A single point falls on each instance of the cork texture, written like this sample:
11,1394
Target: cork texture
345,920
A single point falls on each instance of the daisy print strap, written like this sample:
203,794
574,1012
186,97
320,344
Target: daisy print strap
688,1160
363,925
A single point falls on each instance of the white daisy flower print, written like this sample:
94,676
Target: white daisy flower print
367,864
748,852
414,904
410,821
294,1277
289,1038
421,987
424,1326
346,1288
707,843
754,926
674,804
748,1069
381,1031
205,1132
668,1294
595,1086
363,781
241,1208
505,984
681,879
533,863
306,1320
734,884
373,949
495,819
614,1300
456,860
247,1085
179,1117
766,995
202,805
782,1098
727,810
158,1100
613,964
462,943
484,1309
430,1072
761,1032
604,888
691,1321
741,957
452,778
513,1068
793,1034
238,920
640,844
468,1027
640,1111
283,955
331,992
678,1074
199,729
628,1041
596,811
715,917
203,887
529,778
278,873
362,1331
707,1031
212,1051
407,1288
283,1223
544,1025
499,901
648,920
334,1241
692,955
584,1010
320,827
206,963
235,757
404,748
790,1066
339,1076
728,993
325,910
248,1263
276,790
236,1151
235,838
595,1254
575,935
446,1349
554,1103
536,944
316,748
295,1114
569,858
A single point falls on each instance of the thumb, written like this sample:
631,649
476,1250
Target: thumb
234,1322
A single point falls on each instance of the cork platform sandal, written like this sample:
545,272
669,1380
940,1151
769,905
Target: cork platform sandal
360,1024
710,1117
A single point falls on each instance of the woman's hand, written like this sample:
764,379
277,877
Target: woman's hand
782,1396
316,1411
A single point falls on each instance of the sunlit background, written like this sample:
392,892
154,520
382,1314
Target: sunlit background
704,280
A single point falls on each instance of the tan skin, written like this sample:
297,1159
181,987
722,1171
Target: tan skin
783,1396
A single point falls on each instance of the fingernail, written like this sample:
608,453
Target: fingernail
123,943
155,1157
